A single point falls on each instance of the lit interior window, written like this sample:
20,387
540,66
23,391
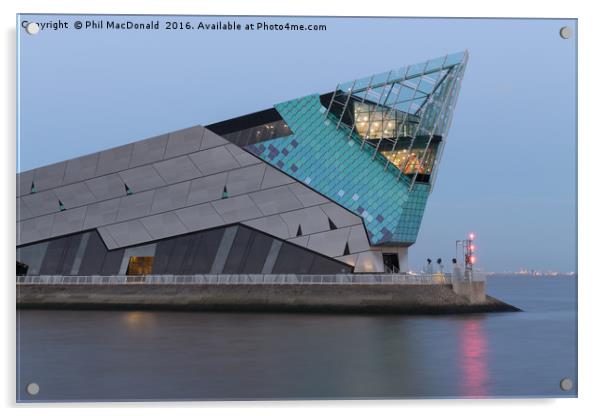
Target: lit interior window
140,265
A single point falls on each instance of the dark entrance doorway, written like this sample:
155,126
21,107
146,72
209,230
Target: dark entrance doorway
391,262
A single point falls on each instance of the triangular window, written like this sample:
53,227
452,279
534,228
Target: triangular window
299,232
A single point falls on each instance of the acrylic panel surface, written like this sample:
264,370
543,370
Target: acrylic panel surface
206,145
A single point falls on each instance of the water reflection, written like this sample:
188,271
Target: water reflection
137,355
473,358
139,320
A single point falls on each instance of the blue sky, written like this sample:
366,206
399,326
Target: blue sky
509,168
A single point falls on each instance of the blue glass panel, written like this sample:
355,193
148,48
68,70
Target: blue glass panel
454,58
435,64
323,158
416,69
370,178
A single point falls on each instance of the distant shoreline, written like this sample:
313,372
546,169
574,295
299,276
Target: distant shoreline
537,274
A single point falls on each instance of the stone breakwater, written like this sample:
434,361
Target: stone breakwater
331,298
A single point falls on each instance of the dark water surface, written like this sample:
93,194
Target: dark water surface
115,355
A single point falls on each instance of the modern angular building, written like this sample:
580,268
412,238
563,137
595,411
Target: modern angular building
322,184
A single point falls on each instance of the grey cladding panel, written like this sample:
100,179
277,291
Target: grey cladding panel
41,203
351,259
105,187
208,188
307,197
273,225
107,238
210,139
141,178
312,220
245,180
81,168
177,170
114,160
49,176
23,212
24,180
340,216
148,151
199,217
331,243
217,159
300,241
170,197
358,240
236,209
128,233
276,200
34,229
69,221
75,195
184,141
243,157
101,213
274,178
135,206
163,225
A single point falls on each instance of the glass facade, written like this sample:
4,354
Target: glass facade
377,122
259,133
373,144
402,114
418,160
231,250
321,157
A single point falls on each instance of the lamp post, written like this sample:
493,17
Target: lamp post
467,248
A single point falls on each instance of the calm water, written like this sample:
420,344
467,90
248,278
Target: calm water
106,355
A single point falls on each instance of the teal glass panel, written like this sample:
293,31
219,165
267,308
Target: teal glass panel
374,151
322,157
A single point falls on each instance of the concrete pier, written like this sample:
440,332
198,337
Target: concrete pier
339,298
473,291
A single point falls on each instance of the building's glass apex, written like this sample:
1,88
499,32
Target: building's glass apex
407,72
403,114
373,144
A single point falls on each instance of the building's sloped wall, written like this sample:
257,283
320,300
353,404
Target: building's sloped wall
231,249
322,157
411,215
182,182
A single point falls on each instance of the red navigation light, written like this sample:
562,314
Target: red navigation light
471,236
473,259
472,247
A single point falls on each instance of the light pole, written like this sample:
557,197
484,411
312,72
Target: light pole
467,248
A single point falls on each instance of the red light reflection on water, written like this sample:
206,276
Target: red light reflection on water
473,359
